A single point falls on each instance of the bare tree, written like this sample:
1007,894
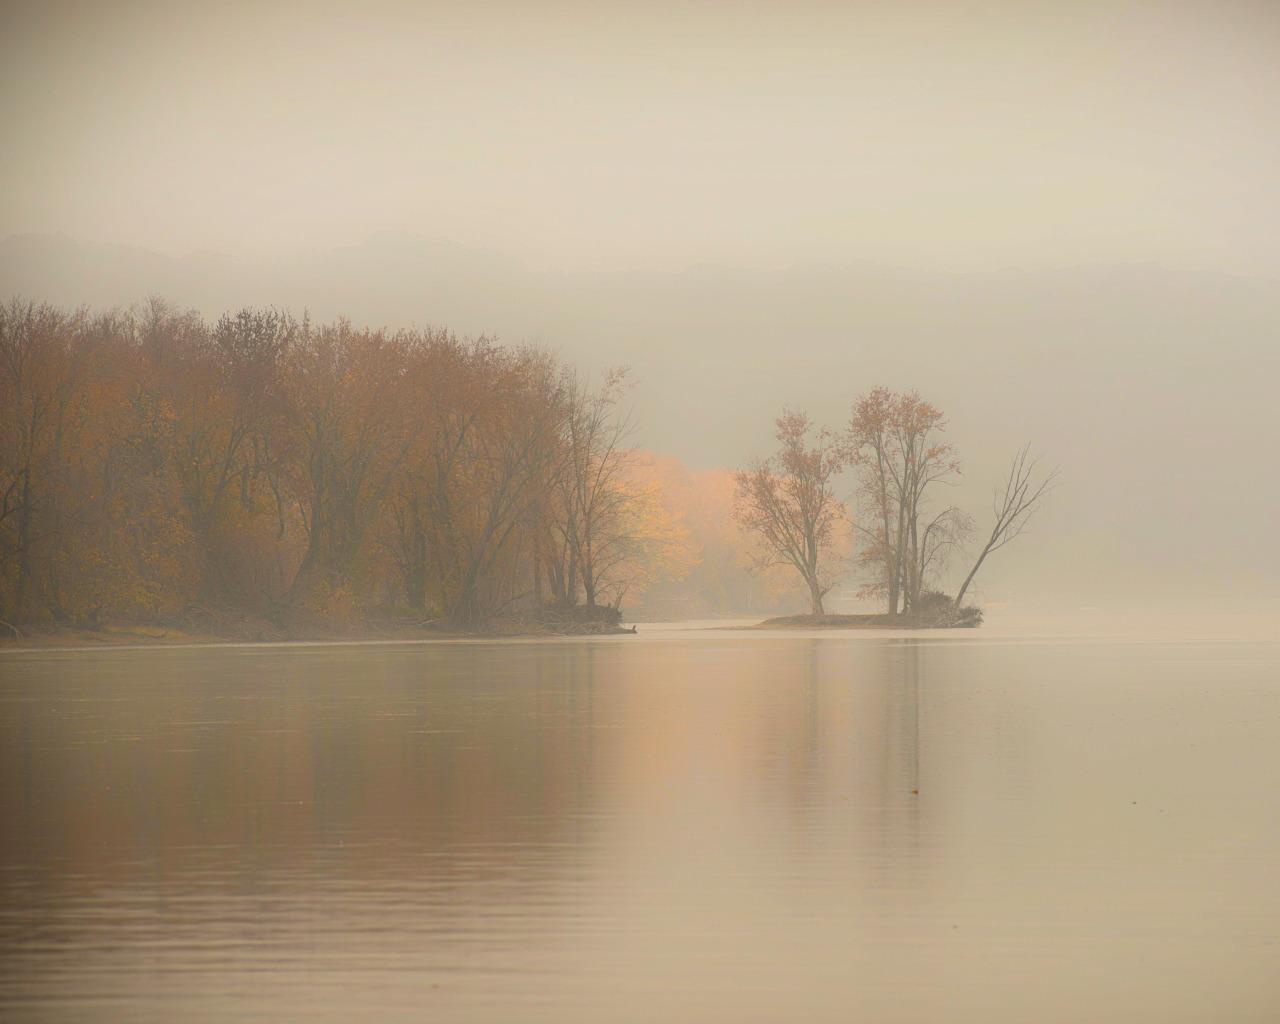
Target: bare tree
596,430
1020,500
788,502
939,539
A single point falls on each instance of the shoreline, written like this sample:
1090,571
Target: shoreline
877,620
141,634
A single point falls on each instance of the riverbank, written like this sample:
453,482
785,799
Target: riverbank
124,633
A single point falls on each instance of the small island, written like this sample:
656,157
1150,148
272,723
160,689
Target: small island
968,618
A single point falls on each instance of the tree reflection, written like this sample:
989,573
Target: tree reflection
229,760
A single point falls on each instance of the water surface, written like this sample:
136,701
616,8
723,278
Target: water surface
688,826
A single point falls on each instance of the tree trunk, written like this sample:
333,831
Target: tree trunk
555,577
571,578
24,550
416,578
815,597
969,579
913,565
537,570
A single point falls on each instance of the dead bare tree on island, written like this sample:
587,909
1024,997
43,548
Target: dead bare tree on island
787,501
1022,497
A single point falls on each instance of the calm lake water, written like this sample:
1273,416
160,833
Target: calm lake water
679,826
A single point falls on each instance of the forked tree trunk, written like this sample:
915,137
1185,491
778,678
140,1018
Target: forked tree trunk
815,597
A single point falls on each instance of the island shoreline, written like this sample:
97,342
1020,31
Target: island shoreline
945,619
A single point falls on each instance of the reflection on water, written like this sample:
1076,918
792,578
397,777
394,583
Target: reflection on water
711,827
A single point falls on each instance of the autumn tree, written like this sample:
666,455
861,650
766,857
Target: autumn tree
647,539
690,558
134,552
896,443
230,417
52,366
166,342
789,504
342,388
512,445
446,388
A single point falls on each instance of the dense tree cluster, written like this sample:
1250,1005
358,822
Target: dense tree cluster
151,464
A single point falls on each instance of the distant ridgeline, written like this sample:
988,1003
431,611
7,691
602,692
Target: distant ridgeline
243,477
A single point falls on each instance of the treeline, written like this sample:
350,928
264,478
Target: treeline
152,464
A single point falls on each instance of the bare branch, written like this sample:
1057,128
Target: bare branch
1015,505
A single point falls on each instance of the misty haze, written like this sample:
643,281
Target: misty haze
642,512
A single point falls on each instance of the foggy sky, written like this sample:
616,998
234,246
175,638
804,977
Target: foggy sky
1155,390
954,136
712,193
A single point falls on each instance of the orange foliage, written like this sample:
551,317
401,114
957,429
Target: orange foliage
716,575
153,466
